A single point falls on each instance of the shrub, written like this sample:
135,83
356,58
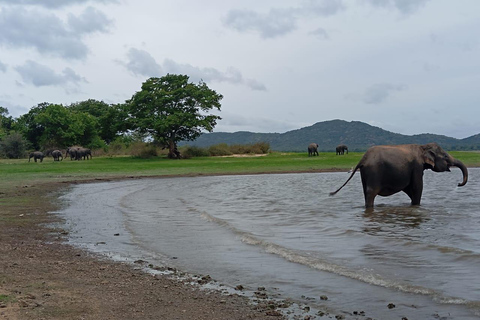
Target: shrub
260,147
257,148
13,146
193,151
143,150
221,149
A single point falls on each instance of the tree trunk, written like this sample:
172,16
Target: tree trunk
173,152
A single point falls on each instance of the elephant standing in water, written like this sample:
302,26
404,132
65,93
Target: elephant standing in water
386,170
36,155
313,149
341,148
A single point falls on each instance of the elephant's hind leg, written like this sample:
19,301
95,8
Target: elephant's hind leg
369,193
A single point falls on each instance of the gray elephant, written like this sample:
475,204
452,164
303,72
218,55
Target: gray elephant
71,152
313,149
36,155
341,148
386,170
78,153
57,155
83,153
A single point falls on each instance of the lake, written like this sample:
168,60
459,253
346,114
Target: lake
285,233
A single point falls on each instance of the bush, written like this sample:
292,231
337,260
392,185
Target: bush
193,151
221,149
13,146
143,150
257,148
261,147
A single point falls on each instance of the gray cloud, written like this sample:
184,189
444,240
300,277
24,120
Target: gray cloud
140,62
275,23
53,4
40,75
49,34
232,75
3,67
279,21
323,8
320,33
90,21
403,6
380,92
232,122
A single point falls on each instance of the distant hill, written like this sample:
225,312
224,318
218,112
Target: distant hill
358,136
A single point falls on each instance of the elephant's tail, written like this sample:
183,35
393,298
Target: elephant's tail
351,176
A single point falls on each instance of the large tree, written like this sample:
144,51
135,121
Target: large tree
110,118
55,126
6,122
170,110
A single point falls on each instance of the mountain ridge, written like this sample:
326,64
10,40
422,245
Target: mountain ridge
357,135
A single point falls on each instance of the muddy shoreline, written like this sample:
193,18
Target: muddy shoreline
43,277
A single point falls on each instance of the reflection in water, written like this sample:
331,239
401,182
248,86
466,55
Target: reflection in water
284,232
391,219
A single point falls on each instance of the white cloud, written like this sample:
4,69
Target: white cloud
3,67
90,21
320,33
277,22
403,6
280,21
142,63
380,92
47,33
41,75
53,4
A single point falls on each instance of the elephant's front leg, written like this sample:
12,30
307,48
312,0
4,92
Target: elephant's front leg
414,191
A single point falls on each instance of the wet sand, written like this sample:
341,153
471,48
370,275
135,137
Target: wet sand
42,277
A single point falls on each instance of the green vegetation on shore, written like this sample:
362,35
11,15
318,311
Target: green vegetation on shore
15,172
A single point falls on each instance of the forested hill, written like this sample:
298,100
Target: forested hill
358,136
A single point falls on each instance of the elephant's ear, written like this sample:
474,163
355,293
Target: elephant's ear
429,157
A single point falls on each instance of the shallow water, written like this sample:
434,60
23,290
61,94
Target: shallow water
284,232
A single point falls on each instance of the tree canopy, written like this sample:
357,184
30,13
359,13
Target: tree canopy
166,110
170,110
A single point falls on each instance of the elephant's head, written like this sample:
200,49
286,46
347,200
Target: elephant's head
439,160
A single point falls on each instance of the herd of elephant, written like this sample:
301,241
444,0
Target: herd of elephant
75,153
384,170
313,149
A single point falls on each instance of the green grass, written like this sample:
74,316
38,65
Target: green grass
5,298
19,172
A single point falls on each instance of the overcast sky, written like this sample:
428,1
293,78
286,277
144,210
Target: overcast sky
407,66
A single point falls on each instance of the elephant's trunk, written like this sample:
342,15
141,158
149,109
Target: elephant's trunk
459,164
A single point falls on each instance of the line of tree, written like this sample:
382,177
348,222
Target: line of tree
165,111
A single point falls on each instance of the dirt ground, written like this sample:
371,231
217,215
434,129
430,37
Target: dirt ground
42,277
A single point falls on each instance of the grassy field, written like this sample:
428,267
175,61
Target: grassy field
18,172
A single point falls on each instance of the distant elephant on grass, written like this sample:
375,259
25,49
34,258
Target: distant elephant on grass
386,170
78,153
84,153
36,155
313,149
71,152
57,155
341,148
